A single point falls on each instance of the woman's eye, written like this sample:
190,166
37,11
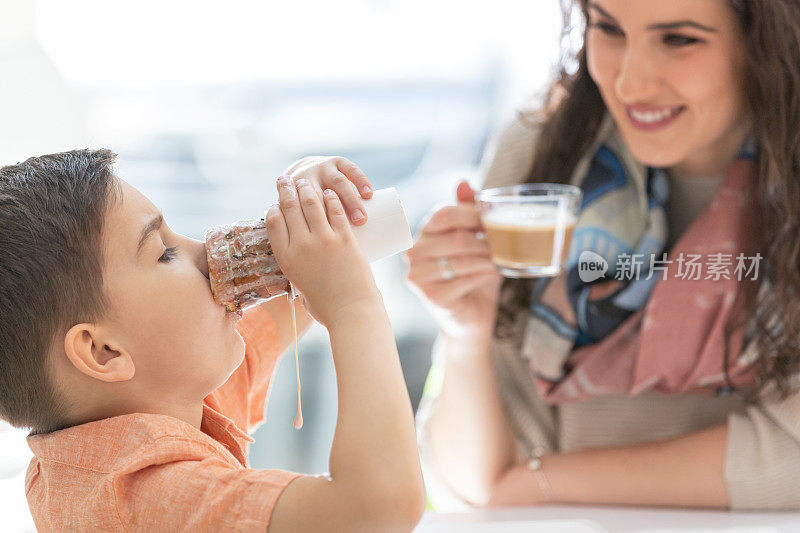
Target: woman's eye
168,254
677,41
608,29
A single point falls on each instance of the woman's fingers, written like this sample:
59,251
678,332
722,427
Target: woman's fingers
450,244
336,214
452,217
290,207
276,228
431,270
445,293
311,206
356,176
464,192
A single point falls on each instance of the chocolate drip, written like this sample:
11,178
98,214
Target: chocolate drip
241,264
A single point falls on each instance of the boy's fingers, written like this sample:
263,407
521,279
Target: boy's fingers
290,206
356,175
335,209
349,197
312,207
276,228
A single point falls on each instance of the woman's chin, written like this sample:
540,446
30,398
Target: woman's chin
652,157
661,151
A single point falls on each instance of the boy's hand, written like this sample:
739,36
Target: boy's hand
339,174
315,247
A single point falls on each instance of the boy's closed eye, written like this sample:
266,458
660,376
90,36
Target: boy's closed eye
168,254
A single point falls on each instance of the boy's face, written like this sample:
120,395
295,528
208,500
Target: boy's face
162,312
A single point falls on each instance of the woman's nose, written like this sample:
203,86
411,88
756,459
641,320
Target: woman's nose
638,80
198,249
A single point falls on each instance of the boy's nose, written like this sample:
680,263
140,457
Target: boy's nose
199,255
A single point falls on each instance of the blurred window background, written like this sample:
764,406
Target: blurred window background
207,103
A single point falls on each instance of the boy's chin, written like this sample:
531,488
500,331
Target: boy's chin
238,351
226,364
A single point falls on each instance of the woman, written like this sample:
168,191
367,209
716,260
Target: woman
681,124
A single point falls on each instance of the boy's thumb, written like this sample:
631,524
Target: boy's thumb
464,192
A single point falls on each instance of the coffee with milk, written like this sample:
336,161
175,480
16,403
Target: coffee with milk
528,238
529,227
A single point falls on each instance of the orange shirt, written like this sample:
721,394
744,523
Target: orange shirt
149,472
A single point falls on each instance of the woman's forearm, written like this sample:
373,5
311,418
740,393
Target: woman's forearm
686,471
469,437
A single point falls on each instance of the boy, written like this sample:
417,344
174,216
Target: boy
138,388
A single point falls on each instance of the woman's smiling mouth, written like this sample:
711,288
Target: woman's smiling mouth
652,118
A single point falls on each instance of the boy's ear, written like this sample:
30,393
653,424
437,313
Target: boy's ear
96,356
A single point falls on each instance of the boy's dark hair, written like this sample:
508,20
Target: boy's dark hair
52,210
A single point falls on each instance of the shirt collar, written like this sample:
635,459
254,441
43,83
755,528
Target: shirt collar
103,444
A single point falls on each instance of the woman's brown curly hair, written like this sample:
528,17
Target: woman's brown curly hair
771,88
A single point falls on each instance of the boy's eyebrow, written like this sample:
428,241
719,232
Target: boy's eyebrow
659,26
152,226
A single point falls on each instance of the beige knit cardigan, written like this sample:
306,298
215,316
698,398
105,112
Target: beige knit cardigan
762,461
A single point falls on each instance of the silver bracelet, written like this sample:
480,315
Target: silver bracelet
535,465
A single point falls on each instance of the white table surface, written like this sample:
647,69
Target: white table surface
569,519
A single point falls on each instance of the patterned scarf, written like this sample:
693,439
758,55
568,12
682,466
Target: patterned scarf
656,319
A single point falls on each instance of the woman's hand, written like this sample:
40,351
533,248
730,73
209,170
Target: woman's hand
339,174
451,269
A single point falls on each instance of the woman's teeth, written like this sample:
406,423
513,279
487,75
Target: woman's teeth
651,117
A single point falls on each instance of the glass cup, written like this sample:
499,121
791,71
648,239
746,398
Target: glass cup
529,226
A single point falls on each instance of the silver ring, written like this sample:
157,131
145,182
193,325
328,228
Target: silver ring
446,268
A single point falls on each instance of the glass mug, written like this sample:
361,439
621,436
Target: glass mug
529,226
